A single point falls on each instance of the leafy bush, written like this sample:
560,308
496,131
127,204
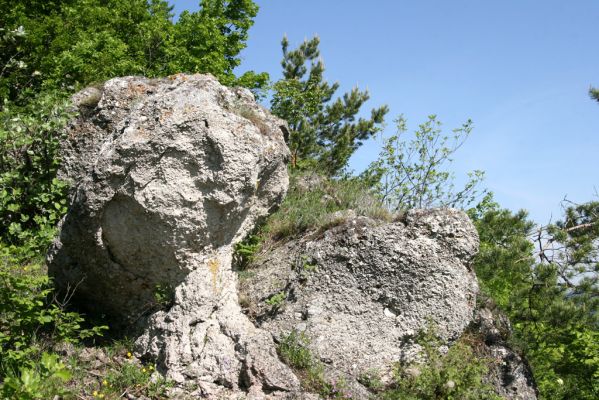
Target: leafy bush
32,199
136,380
411,174
245,251
277,300
457,374
294,351
32,319
41,381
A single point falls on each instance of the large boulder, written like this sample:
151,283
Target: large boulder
166,175
361,291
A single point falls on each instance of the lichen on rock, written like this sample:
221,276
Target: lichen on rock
360,291
166,175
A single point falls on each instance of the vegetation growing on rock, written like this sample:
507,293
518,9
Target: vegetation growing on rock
544,278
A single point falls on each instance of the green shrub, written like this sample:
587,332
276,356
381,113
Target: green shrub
44,380
32,319
245,251
32,199
372,380
293,350
136,380
277,300
457,374
164,296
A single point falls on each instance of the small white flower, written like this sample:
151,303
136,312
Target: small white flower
19,31
449,384
560,381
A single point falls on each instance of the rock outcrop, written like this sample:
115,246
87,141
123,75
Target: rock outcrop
360,291
166,174
509,374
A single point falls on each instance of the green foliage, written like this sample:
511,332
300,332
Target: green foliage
504,260
245,251
277,300
312,199
70,44
576,259
372,380
43,381
32,200
164,295
293,350
323,132
458,374
307,268
549,291
32,319
410,174
135,379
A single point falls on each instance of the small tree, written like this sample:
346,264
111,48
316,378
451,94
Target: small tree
410,174
323,132
545,279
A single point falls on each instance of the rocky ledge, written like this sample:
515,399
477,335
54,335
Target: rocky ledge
167,175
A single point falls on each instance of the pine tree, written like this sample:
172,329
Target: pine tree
546,280
323,133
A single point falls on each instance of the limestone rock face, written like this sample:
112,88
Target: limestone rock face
166,175
362,290
509,374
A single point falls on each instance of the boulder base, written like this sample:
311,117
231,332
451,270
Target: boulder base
166,175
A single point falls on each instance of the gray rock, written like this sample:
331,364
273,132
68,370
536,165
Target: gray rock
361,290
509,374
166,175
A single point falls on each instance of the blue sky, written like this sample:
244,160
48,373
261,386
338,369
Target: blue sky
519,69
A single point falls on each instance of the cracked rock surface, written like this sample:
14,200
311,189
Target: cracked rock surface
166,174
362,290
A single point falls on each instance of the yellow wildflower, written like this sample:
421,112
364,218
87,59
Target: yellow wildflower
129,354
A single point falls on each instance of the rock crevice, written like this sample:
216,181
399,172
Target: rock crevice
166,175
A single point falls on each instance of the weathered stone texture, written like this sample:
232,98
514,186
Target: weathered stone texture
362,290
166,174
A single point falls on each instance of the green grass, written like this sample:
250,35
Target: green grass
312,199
293,350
